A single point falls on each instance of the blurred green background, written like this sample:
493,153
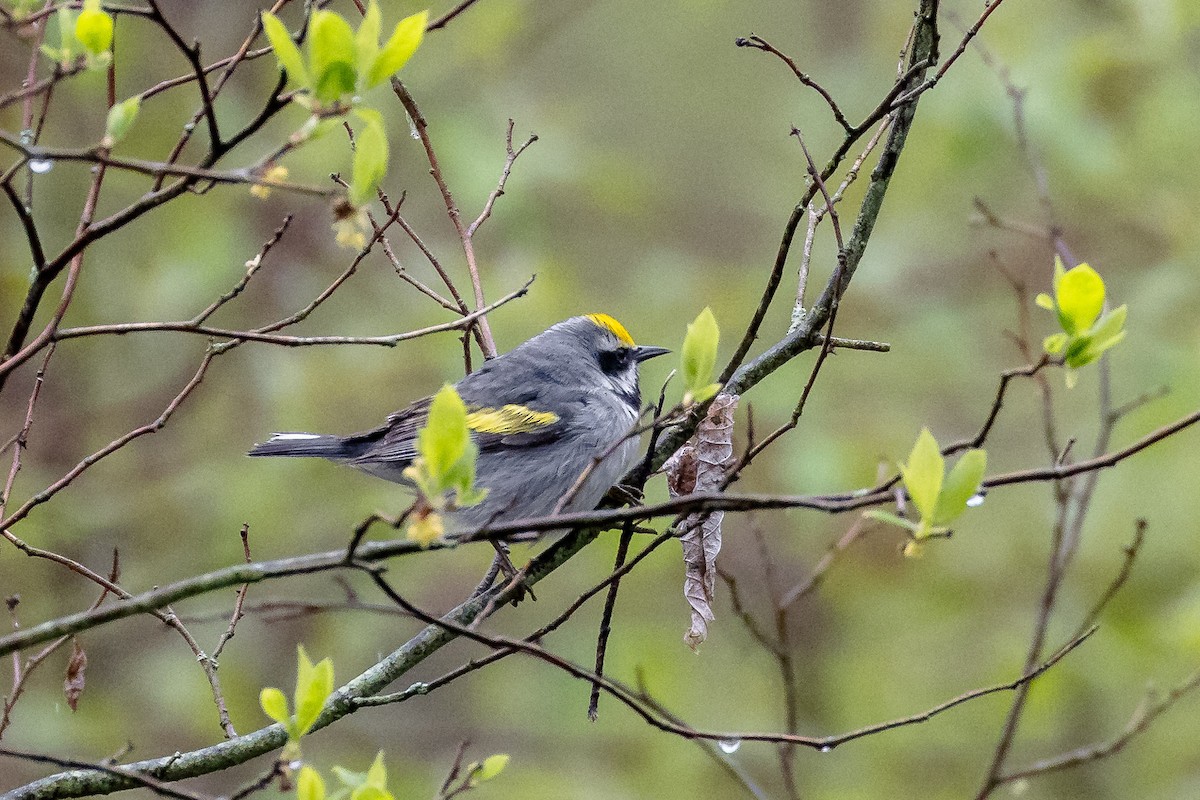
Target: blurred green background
660,184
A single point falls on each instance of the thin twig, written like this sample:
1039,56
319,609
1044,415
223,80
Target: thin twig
1145,715
421,126
758,43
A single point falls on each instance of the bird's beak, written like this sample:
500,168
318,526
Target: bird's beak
647,352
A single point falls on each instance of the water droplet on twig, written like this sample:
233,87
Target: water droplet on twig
729,745
41,165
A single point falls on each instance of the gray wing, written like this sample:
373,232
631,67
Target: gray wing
502,413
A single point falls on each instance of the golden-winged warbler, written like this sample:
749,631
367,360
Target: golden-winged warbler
540,414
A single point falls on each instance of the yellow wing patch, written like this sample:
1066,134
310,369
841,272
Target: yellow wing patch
509,419
612,326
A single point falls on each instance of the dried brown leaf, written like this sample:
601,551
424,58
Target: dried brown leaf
700,466
74,683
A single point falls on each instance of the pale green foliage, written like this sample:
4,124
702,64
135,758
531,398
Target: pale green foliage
959,486
68,46
445,464
314,685
331,56
445,439
1079,295
366,39
370,156
401,45
491,767
342,61
94,30
90,34
285,49
120,119
923,474
274,704
939,497
698,357
309,784
369,785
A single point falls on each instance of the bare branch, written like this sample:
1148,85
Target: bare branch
1146,714
759,43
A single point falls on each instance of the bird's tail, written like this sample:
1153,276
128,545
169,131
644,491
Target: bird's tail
305,445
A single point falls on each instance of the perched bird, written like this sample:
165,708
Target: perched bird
539,414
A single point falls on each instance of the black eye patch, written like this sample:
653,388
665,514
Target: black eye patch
613,362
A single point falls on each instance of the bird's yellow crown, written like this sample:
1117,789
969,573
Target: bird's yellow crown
612,326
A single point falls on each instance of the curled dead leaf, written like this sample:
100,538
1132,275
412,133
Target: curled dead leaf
700,466
74,682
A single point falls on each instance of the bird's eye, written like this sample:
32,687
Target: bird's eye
613,362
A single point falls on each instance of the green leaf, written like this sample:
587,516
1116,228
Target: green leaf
314,684
370,793
1076,349
446,461
890,519
337,80
401,45
462,479
923,474
274,704
65,54
1092,347
1080,298
286,51
309,785
366,41
120,119
377,772
349,778
444,439
94,28
961,484
492,766
370,158
1110,329
699,354
1054,343
1087,333
330,55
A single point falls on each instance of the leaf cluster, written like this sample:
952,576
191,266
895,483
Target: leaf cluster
314,685
340,65
444,470
940,497
89,34
342,61
1087,330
